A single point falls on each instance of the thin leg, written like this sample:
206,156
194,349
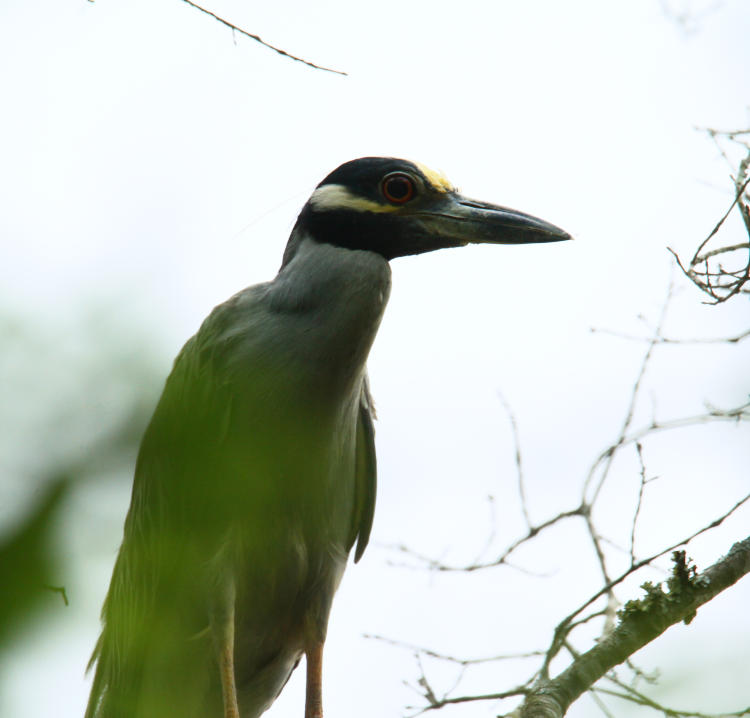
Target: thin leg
314,693
223,630
226,668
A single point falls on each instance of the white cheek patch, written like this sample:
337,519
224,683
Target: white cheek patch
336,196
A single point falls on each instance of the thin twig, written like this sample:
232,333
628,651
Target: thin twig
631,694
612,602
639,504
492,533
671,340
436,565
257,38
448,658
722,250
739,413
738,195
519,461
501,695
600,704
723,285
608,457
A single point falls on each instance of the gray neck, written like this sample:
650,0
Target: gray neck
336,295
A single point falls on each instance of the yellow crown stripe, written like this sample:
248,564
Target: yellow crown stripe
437,179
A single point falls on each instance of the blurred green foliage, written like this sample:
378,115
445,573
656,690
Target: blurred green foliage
76,398
28,563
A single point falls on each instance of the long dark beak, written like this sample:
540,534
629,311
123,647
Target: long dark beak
456,221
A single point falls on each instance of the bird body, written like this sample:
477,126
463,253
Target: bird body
304,445
256,475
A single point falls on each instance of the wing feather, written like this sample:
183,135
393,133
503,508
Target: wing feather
161,574
366,471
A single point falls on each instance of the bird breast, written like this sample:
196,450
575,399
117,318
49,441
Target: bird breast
293,355
330,302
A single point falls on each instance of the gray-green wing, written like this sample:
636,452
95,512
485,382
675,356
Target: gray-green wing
160,575
367,472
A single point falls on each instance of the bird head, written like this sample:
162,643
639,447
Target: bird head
395,208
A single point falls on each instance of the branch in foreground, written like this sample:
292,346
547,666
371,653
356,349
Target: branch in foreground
257,38
640,623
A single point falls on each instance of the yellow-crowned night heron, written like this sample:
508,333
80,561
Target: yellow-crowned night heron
256,475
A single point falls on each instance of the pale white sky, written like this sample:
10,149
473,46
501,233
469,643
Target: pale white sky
153,166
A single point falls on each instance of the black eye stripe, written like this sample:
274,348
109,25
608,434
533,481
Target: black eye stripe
398,187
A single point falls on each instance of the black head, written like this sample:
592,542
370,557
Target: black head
395,208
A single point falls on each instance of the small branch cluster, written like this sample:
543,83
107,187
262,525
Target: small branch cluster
723,270
624,630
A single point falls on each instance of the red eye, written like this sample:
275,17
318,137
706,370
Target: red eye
398,187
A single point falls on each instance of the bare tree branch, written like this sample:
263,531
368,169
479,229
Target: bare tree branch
258,39
501,560
563,629
608,456
640,623
438,703
639,504
673,340
719,282
420,650
519,460
739,413
629,693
